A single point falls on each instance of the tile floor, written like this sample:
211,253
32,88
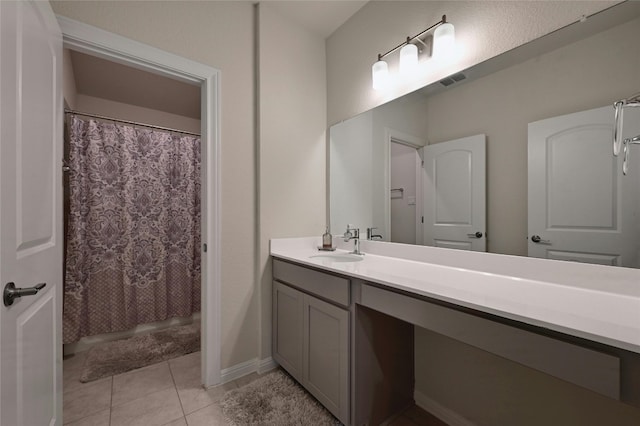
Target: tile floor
168,393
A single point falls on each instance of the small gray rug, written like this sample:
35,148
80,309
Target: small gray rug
275,399
119,356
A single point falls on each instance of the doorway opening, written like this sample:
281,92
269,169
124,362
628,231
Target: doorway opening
405,190
97,48
132,192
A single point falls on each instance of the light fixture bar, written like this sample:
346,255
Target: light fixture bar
410,39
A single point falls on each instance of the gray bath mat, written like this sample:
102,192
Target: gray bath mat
119,356
275,399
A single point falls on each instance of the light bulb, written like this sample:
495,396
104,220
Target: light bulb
408,59
380,75
444,41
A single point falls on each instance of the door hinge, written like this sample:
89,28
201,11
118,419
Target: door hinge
422,219
204,248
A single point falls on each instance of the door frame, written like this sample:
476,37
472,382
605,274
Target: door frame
396,136
97,42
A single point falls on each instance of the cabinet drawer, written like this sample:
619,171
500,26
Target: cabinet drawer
326,286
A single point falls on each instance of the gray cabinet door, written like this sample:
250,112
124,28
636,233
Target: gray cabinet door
288,328
326,355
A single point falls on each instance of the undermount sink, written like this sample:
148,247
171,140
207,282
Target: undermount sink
337,257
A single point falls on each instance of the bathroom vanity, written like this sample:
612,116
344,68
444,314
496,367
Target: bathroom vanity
343,324
311,332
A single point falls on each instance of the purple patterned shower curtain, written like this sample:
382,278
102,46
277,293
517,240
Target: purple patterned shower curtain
133,243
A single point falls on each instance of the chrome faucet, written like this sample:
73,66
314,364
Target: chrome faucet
355,236
371,235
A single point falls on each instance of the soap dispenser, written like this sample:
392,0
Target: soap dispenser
327,242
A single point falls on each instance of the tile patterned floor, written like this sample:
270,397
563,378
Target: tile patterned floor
168,393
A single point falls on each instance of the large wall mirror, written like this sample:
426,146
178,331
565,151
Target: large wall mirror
543,117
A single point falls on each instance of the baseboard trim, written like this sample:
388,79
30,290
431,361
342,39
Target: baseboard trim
266,364
245,368
440,411
239,370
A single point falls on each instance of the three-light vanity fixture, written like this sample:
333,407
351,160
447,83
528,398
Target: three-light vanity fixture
443,44
618,142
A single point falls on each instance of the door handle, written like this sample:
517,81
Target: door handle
11,292
536,239
476,235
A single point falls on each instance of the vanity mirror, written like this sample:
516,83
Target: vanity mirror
513,101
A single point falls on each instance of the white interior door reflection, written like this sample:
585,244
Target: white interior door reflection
580,206
455,194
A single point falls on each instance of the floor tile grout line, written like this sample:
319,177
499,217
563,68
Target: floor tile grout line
89,414
111,402
147,411
134,371
175,386
201,386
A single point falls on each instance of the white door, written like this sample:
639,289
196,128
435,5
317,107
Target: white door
30,213
455,194
580,206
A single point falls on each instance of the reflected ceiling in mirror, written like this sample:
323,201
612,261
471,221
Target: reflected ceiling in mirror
582,67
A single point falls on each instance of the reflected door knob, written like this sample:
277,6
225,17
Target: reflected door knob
538,240
11,293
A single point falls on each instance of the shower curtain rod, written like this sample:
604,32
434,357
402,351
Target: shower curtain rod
102,117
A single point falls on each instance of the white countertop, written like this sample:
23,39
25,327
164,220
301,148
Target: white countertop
599,303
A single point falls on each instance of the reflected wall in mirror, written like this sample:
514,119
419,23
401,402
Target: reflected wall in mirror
582,67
